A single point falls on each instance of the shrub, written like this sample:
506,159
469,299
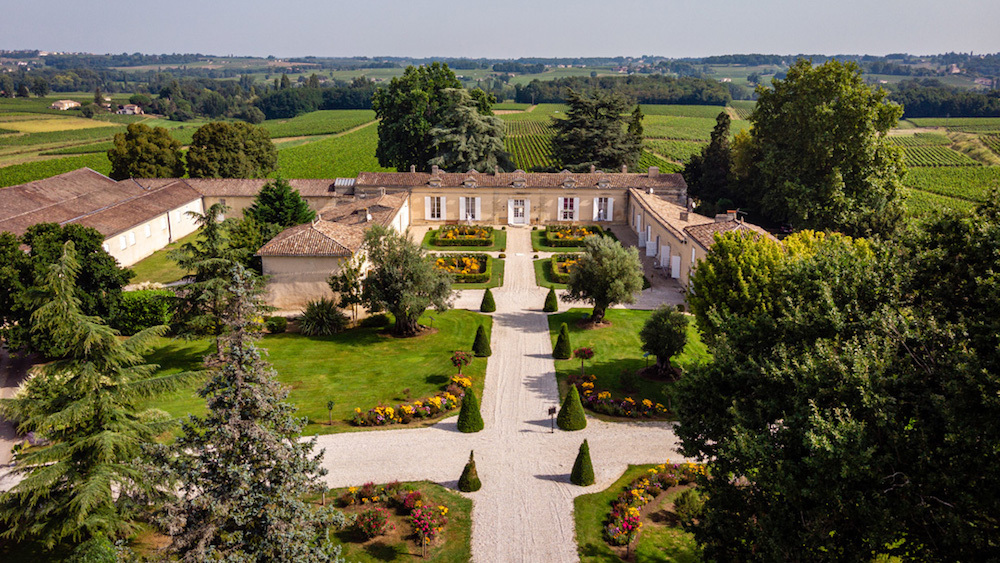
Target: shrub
411,500
460,358
322,318
551,301
97,549
501,256
560,265
688,506
152,416
664,335
563,349
583,469
488,305
380,320
469,418
276,325
481,345
428,521
139,310
469,481
571,416
373,522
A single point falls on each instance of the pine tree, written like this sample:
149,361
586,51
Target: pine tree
571,415
481,346
488,305
469,481
563,350
240,471
469,418
85,483
583,469
277,202
551,301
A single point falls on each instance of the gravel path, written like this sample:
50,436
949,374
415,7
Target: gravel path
524,512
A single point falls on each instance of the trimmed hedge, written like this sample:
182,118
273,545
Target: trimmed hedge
563,350
481,345
469,418
481,277
551,301
488,305
558,276
139,310
551,240
571,415
436,240
583,469
276,325
469,481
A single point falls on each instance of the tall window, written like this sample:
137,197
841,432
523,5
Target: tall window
568,212
470,209
602,209
436,207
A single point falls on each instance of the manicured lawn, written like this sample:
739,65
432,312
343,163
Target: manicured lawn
499,243
617,348
358,368
543,275
657,542
157,267
454,544
496,277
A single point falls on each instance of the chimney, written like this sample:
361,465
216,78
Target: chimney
435,169
690,205
725,217
413,168
654,171
684,216
592,168
381,192
624,169
649,191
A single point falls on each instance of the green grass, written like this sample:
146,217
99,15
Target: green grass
93,148
684,128
157,267
542,112
336,157
67,136
358,368
617,347
321,122
511,106
657,542
968,124
499,242
31,171
543,274
453,546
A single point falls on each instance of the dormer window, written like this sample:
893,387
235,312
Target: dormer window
470,183
569,183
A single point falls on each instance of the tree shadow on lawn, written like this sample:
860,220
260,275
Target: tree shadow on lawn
179,356
437,379
385,552
595,553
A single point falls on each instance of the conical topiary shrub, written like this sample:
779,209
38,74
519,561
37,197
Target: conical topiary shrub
563,350
551,303
469,418
583,469
481,346
469,481
488,305
571,416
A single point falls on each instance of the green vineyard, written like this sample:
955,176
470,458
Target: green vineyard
936,156
920,140
992,141
964,124
707,112
973,183
531,153
680,151
522,128
920,203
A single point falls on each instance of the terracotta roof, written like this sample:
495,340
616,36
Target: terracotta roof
139,209
531,179
235,187
705,234
382,209
668,213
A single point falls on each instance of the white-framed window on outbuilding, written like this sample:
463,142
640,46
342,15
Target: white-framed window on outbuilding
106,247
434,208
122,242
131,238
163,223
147,231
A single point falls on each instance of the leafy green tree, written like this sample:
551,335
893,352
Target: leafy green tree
7,89
278,203
464,139
231,150
469,418
240,471
595,133
285,82
606,274
469,481
98,96
142,152
246,236
823,158
23,91
571,416
583,469
40,87
635,122
87,481
401,280
709,175
664,335
347,283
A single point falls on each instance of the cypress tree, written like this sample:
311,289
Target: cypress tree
571,416
551,303
469,481
583,469
563,350
469,418
488,305
481,346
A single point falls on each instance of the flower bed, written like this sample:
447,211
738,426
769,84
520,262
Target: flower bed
374,502
624,521
570,236
602,401
466,268
405,413
560,266
463,235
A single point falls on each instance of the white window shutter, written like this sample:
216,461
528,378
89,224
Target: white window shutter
597,205
462,215
510,212
611,209
131,237
527,211
163,223
444,208
479,209
559,208
121,242
148,233
576,209
427,207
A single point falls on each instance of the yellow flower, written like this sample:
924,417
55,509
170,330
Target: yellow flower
443,509
352,490
357,410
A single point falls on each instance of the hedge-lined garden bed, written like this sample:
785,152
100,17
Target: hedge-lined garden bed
466,268
561,265
566,236
451,237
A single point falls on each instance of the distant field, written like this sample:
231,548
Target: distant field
680,151
68,136
49,125
972,183
519,128
920,140
31,171
321,122
542,112
336,157
511,106
966,124
993,142
936,156
709,112
104,146
646,160
684,128
743,107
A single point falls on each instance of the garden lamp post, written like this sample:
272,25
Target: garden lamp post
552,419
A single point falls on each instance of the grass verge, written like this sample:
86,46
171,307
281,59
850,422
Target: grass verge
157,267
543,274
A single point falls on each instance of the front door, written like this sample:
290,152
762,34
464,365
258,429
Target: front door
518,212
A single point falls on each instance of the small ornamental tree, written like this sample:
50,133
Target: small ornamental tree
551,301
469,481
571,415
562,349
664,335
481,346
488,305
607,273
460,358
583,469
583,354
469,418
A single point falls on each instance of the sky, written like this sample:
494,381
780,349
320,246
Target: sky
502,29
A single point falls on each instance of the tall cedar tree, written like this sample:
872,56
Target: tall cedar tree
142,152
409,108
231,150
709,175
241,471
401,280
607,273
201,303
822,159
88,480
279,204
464,139
594,133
